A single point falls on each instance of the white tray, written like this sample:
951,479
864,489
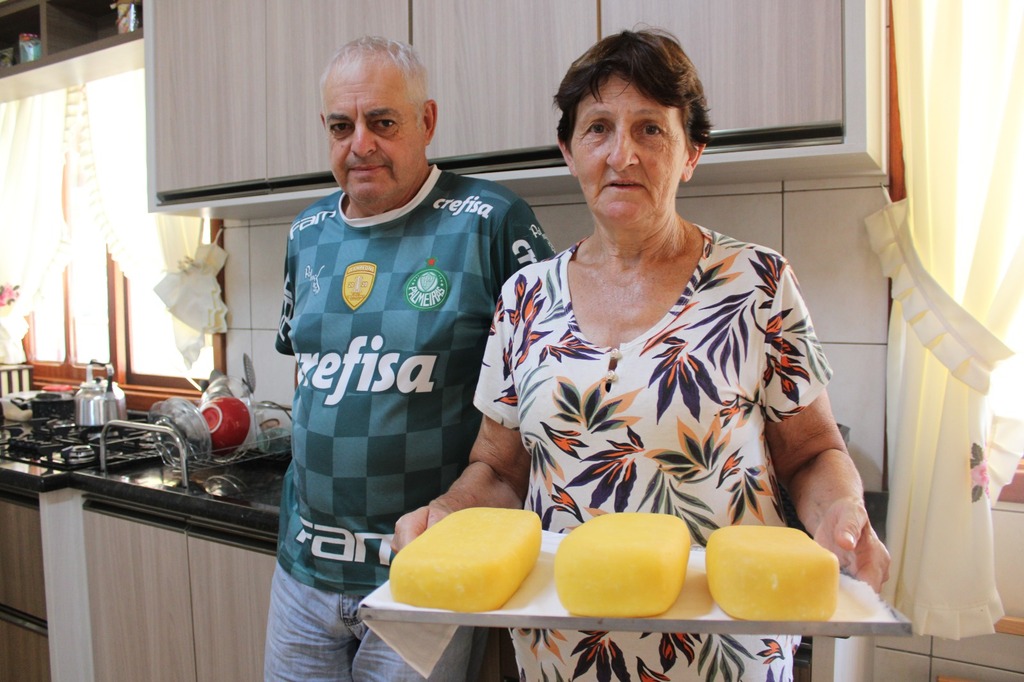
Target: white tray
535,605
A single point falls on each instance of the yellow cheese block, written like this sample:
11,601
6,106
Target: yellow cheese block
771,573
626,565
471,560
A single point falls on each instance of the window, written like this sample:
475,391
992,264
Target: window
92,312
93,255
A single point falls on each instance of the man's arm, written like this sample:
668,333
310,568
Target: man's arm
810,459
497,476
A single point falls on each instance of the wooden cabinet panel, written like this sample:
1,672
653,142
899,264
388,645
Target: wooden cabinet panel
494,68
21,559
141,612
208,76
301,38
24,655
230,601
765,64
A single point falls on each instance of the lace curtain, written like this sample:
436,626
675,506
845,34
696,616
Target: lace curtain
954,250
32,244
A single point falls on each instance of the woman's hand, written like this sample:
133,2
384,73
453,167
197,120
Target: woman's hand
847,533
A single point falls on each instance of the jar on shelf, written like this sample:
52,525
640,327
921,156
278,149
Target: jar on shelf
129,15
29,48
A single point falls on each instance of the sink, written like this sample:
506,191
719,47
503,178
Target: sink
255,482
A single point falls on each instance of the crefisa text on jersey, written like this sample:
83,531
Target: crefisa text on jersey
470,204
378,372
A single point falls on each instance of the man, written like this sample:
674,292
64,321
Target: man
390,287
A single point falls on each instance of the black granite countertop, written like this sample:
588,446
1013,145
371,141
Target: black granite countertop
242,496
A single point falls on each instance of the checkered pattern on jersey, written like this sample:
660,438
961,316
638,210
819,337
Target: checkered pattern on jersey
383,416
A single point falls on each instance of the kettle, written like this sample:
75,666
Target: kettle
98,401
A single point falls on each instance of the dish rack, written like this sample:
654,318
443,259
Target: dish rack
180,447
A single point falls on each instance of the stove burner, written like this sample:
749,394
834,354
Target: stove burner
78,454
62,445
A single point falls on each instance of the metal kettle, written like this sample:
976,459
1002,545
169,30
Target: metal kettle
98,401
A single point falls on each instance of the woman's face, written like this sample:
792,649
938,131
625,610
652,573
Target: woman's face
630,154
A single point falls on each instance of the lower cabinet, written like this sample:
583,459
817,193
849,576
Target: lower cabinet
230,599
24,654
170,604
24,650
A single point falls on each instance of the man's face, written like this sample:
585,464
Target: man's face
377,137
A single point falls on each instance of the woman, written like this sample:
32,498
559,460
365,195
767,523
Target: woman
656,366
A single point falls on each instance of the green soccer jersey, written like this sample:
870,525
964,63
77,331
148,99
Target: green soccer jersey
387,318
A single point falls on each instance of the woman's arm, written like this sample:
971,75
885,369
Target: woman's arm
497,476
811,461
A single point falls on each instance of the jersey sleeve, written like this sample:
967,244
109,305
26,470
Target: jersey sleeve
520,241
796,370
282,340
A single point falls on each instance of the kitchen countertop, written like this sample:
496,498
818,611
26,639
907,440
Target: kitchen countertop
243,496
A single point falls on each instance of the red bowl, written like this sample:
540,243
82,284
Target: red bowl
229,421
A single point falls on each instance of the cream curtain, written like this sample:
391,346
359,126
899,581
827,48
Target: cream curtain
954,250
32,244
155,251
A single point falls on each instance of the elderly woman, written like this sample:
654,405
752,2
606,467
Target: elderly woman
656,366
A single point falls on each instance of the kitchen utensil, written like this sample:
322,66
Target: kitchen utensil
53,405
229,386
184,417
98,402
17,406
229,421
250,373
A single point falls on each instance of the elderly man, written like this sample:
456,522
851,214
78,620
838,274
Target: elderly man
390,287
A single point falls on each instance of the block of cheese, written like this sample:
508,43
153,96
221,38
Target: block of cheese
771,573
471,560
626,565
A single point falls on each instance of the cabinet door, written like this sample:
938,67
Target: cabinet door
24,654
230,600
301,38
141,613
208,105
764,64
21,559
494,68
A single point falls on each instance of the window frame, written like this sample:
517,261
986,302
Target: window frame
141,390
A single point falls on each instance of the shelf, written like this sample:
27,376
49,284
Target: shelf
104,57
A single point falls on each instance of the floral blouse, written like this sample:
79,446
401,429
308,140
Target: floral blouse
671,422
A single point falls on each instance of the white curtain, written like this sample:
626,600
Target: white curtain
954,250
158,252
32,245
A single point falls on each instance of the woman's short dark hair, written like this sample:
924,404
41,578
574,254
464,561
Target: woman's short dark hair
653,62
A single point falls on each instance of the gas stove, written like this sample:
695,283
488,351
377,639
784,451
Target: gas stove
64,446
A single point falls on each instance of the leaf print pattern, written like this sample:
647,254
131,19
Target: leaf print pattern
679,431
614,472
598,650
684,373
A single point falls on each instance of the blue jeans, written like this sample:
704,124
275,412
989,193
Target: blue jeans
315,636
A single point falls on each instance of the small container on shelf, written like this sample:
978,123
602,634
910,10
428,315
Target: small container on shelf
29,48
129,15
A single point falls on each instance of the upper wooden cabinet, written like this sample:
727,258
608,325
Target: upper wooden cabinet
495,67
765,64
795,87
235,87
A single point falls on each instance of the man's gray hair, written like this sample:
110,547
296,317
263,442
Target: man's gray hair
402,55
